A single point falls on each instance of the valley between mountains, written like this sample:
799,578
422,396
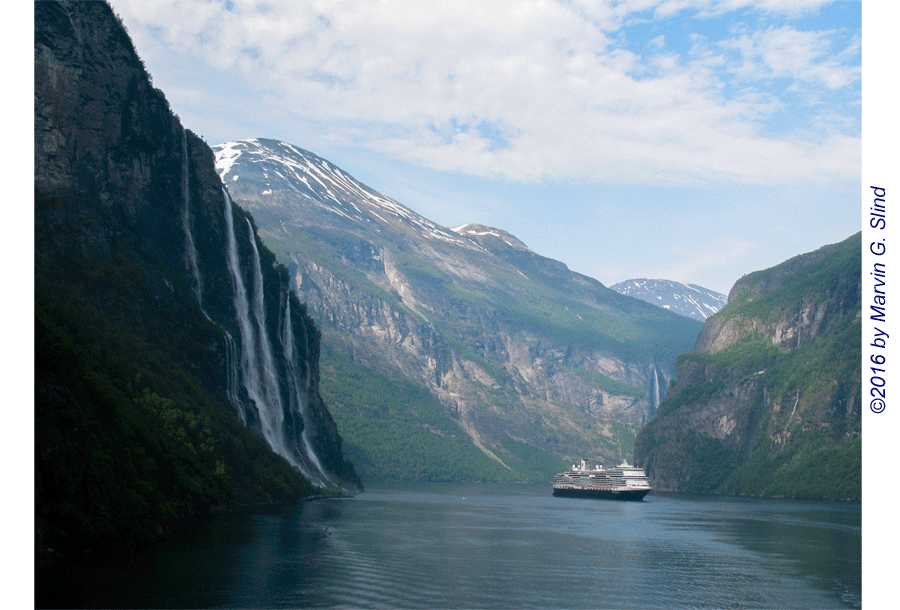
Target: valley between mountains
461,354
453,353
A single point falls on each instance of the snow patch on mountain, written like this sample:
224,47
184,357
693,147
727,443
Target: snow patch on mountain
278,166
684,299
477,231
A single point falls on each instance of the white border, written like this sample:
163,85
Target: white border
880,55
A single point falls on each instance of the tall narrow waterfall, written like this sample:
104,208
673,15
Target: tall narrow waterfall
249,365
191,257
654,395
270,378
259,364
297,397
271,411
190,247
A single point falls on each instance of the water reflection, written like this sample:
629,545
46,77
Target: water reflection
496,546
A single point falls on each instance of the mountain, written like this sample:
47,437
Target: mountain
684,299
769,402
453,354
175,370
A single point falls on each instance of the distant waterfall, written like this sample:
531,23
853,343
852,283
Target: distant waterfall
271,410
298,398
191,256
655,388
258,371
654,392
232,371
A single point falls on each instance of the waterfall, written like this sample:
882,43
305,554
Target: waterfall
190,247
232,372
298,398
249,361
231,360
257,364
271,411
655,387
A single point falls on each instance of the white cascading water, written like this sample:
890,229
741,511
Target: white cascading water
297,397
302,394
271,410
190,247
257,361
256,364
655,398
249,362
233,374
231,361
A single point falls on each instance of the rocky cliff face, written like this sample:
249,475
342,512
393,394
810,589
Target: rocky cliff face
789,325
769,402
132,224
525,356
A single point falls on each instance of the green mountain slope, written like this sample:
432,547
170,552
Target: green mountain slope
769,402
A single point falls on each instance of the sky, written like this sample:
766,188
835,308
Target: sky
691,140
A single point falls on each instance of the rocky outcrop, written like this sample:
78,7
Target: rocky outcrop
136,244
769,402
790,324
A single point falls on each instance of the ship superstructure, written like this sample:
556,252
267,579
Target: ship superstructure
589,480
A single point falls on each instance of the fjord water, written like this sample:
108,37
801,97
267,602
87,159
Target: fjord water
492,546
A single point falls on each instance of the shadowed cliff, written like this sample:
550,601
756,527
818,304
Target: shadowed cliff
174,369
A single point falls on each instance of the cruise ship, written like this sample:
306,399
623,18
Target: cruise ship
587,480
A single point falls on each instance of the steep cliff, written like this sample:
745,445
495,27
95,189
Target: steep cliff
165,331
769,402
490,360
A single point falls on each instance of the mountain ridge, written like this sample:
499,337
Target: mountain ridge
686,299
523,356
481,232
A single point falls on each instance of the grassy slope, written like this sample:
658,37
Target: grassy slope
394,430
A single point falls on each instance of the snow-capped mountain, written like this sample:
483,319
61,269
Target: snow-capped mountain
685,299
483,233
487,359
276,169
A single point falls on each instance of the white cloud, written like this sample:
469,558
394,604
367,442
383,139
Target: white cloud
785,52
523,90
710,8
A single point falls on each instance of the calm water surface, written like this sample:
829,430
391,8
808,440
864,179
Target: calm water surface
492,546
